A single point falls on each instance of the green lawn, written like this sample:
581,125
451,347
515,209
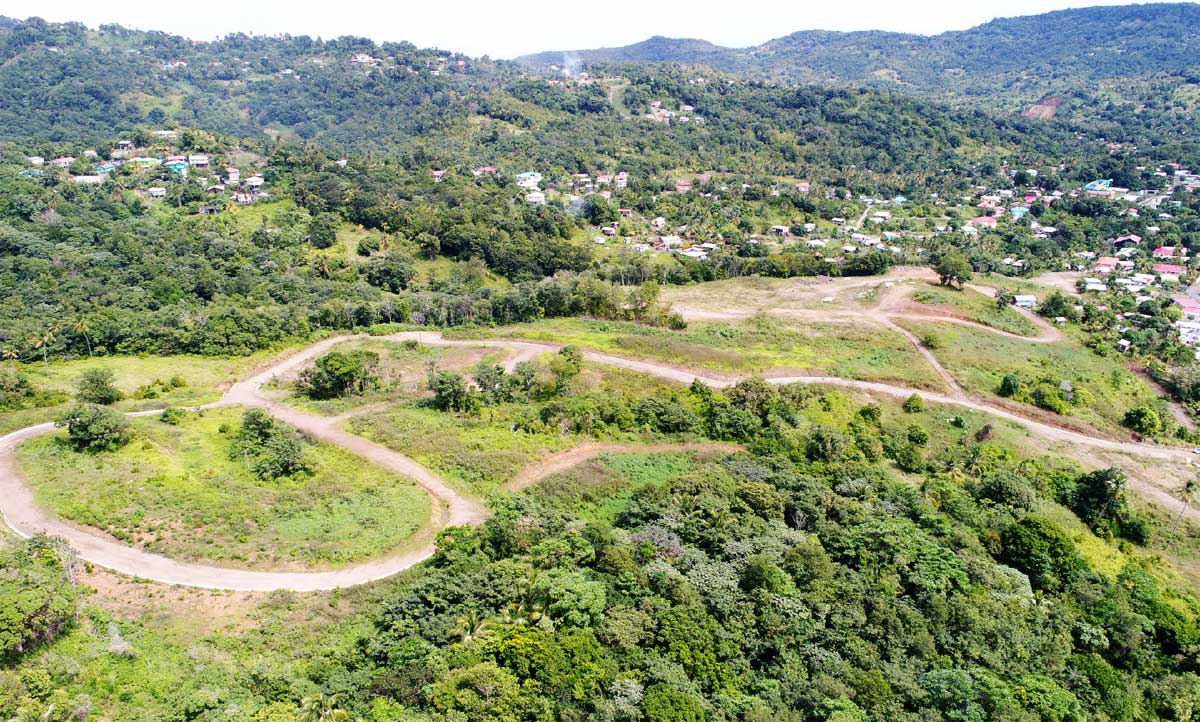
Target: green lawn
757,345
974,306
600,488
979,360
174,490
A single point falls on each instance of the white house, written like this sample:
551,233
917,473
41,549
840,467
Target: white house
535,198
1025,300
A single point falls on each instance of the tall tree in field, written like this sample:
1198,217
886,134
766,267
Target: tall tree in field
82,328
953,269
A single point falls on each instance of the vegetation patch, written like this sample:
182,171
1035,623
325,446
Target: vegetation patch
195,490
1063,378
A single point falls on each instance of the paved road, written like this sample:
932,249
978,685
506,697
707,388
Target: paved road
24,516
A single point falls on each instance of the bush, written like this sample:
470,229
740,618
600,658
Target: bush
269,451
1047,396
94,428
1145,420
96,387
914,404
1010,386
172,416
916,435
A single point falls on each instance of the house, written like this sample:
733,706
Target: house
484,170
215,188
1170,269
621,180
104,168
63,162
658,223
1105,264
157,192
1189,332
233,175
529,180
35,160
146,162
781,231
254,182
178,166
1164,252
1024,300
815,243
803,187
535,198
683,186
838,221
199,160
438,175
625,212
209,210
670,241
88,180
1190,308
981,221
1127,240
697,253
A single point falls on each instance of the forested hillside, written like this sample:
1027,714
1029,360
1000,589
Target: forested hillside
1013,60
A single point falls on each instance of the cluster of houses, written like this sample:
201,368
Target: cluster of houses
685,114
193,165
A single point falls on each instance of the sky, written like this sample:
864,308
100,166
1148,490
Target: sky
506,29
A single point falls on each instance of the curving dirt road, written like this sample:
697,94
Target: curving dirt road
22,514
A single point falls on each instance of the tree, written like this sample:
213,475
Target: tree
953,268
1010,385
340,373
322,708
392,272
82,328
665,703
96,387
450,392
1187,494
1144,420
94,428
322,230
1057,305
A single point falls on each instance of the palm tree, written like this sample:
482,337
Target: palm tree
11,355
470,625
321,708
81,327
1188,492
43,342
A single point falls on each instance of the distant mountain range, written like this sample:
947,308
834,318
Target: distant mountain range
1021,57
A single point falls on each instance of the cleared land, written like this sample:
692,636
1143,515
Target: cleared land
176,491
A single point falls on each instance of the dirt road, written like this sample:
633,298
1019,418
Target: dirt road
25,517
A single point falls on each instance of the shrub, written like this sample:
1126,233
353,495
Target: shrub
914,404
1047,396
269,451
94,428
1145,420
1010,386
916,435
96,387
172,415
340,374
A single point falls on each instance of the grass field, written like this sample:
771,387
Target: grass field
174,490
974,306
979,360
757,345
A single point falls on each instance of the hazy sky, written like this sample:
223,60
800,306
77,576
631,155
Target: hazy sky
506,29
